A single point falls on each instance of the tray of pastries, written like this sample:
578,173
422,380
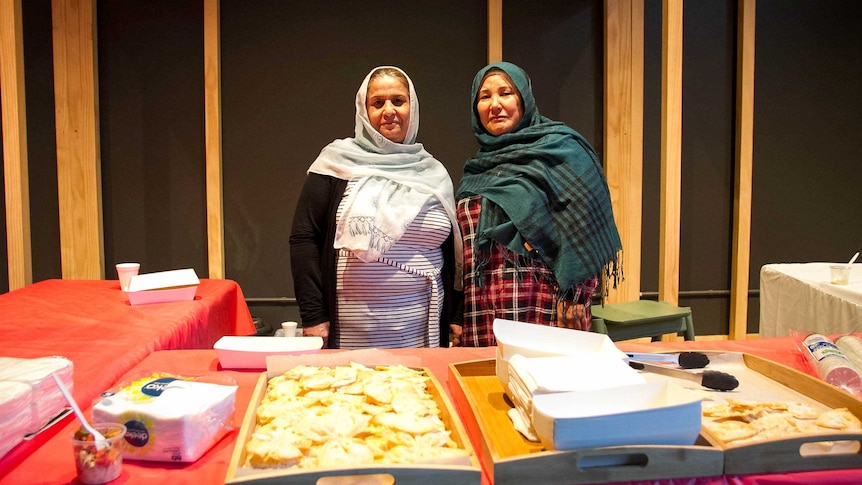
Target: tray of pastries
373,423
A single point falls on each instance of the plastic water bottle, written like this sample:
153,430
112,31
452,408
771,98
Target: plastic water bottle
832,365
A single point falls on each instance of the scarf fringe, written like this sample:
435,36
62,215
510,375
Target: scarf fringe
380,241
481,260
612,273
361,225
518,262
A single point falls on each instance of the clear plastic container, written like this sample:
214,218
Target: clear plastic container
100,462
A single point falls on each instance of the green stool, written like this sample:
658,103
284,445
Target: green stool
643,318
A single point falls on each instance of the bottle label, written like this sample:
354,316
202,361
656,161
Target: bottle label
822,350
827,358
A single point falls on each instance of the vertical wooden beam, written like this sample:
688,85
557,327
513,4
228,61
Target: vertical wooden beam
78,155
495,31
623,114
15,162
742,190
212,96
671,151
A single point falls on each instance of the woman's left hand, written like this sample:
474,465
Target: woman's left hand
455,335
572,315
319,330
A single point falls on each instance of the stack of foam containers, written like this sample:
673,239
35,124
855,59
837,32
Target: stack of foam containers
573,389
29,397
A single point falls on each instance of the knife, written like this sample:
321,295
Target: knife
720,381
686,360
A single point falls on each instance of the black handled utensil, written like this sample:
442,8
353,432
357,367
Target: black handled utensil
686,360
720,381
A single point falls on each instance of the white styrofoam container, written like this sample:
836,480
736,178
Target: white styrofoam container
250,352
654,413
569,373
163,286
532,340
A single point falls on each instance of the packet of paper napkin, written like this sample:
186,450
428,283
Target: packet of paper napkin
531,376
29,397
169,417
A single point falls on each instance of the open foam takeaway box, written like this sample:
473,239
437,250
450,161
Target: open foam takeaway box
600,433
163,286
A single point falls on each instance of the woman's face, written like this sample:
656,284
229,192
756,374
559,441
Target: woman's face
388,105
499,105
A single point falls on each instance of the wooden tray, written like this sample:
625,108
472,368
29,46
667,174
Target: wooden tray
786,454
418,474
508,458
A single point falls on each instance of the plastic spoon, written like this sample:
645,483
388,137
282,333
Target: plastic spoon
100,440
853,259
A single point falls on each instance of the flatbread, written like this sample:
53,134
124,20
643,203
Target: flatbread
731,430
737,420
839,418
776,425
802,411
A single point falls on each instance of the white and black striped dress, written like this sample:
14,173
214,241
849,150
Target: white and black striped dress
396,301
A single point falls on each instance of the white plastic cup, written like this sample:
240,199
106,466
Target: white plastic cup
289,329
101,463
125,271
840,274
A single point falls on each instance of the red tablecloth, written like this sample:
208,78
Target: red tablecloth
52,463
92,324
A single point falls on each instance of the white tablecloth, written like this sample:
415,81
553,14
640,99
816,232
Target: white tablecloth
800,296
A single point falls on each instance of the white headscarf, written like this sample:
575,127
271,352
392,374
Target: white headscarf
393,183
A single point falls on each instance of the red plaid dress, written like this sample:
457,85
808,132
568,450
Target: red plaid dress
513,287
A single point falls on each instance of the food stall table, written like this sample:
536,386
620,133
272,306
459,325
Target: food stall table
91,323
800,296
53,463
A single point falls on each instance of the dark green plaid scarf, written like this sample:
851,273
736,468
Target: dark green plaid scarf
544,194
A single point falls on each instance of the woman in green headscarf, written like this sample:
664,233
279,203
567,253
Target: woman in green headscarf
535,214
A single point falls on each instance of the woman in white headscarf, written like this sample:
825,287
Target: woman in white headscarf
375,248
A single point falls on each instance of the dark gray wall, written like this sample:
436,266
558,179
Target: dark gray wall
707,154
152,134
290,71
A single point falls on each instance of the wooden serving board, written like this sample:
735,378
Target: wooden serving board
789,454
418,474
508,458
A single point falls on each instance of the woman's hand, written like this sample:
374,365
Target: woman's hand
572,315
455,335
319,330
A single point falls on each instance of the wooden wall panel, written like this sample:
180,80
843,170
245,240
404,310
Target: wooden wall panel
212,100
740,264
623,132
15,171
671,147
495,31
78,152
